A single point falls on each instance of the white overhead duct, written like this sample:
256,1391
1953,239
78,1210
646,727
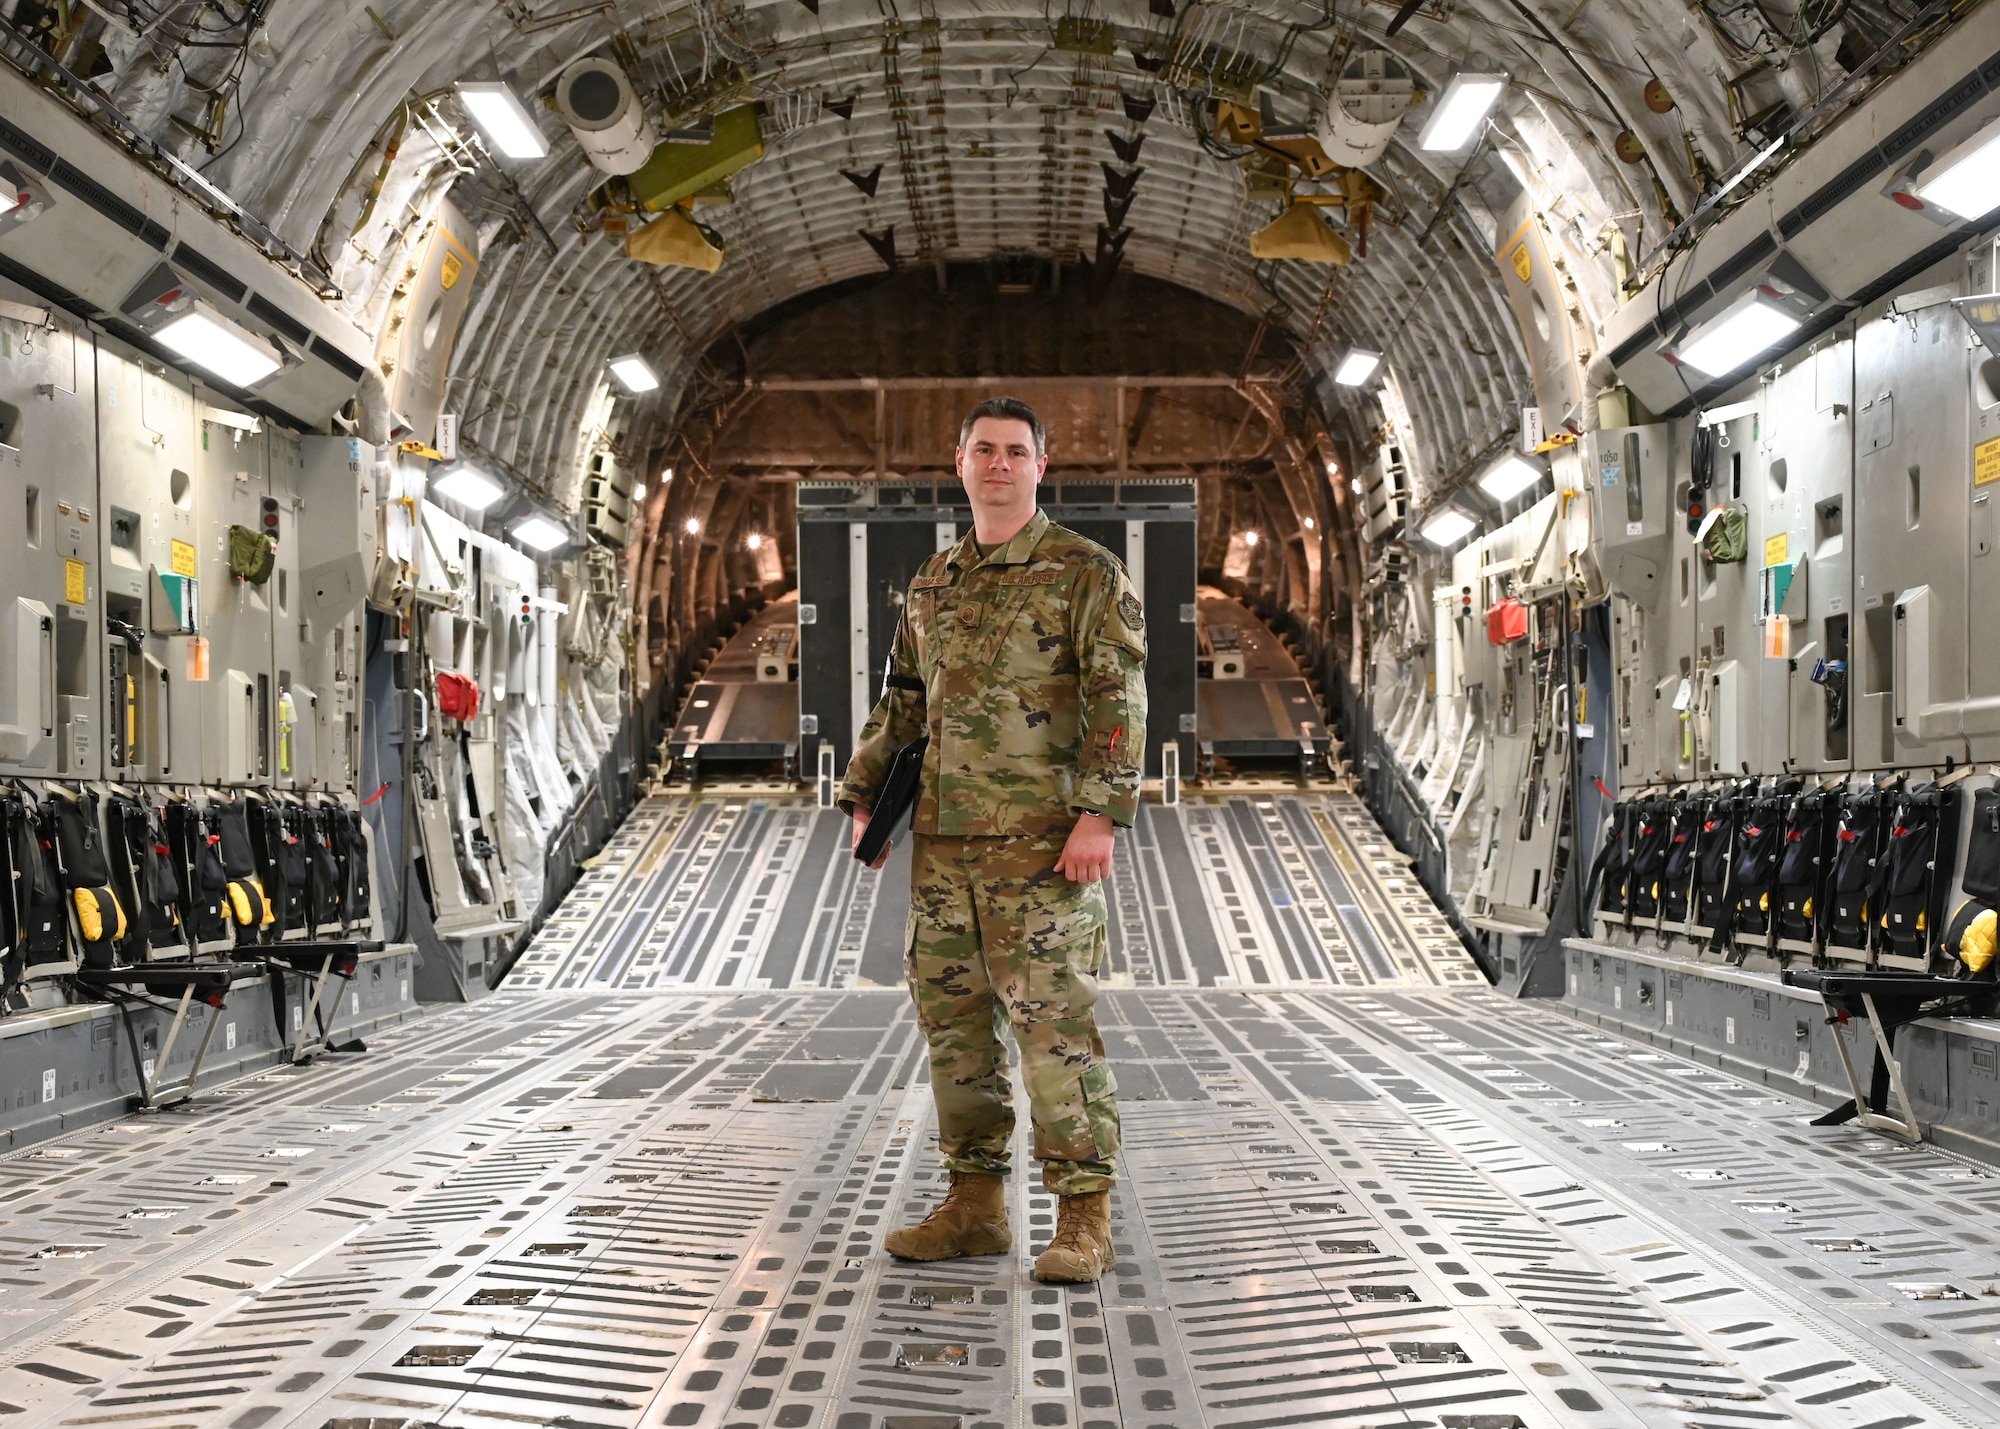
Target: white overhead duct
602,110
1369,99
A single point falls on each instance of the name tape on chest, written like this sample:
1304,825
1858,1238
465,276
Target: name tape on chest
930,582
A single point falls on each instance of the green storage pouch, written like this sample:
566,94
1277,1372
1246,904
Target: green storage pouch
252,554
1728,538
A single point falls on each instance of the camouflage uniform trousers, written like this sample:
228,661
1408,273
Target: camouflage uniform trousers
997,936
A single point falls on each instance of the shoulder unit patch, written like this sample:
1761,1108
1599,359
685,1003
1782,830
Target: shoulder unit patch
1129,610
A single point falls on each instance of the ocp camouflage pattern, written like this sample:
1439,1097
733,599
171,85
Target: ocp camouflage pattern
997,936
1028,670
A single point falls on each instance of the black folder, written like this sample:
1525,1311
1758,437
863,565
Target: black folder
897,799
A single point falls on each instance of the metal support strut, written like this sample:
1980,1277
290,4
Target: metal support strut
210,984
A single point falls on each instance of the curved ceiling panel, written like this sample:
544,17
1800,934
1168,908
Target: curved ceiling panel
983,127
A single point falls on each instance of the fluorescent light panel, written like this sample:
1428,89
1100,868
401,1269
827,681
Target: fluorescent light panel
1736,337
503,119
1967,180
1357,367
469,487
1466,102
209,340
10,197
538,533
1509,478
634,373
1448,527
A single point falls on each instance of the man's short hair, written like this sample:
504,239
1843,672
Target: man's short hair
1010,409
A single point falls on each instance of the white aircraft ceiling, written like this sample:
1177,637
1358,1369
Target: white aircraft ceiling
333,123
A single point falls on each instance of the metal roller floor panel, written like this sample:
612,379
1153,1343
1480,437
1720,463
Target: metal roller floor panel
747,891
1363,1195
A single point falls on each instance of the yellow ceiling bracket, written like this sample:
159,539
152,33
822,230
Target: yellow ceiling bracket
1302,234
674,240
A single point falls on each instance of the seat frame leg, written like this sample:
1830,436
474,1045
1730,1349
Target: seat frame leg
151,1098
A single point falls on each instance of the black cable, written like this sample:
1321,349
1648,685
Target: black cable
1742,50
1701,471
1014,75
413,655
1326,21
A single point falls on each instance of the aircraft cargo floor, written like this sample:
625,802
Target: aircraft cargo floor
644,1184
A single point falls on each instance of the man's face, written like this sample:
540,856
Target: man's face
999,467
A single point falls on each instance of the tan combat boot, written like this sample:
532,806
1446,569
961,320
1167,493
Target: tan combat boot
1080,1250
971,1221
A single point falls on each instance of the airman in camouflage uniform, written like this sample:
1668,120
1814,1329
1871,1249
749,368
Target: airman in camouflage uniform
1024,663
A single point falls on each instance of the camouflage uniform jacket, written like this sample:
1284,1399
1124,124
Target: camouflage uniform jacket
1027,669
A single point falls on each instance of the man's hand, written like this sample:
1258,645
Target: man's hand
860,828
1086,855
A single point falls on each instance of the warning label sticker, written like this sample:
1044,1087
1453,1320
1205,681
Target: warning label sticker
183,558
1986,463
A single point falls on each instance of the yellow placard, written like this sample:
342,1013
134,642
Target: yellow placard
1776,549
448,272
76,582
1522,266
1986,463
184,558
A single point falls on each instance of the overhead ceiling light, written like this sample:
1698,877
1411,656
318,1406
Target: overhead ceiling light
755,540
503,119
469,487
1736,335
208,339
634,373
693,526
1249,538
1309,523
1509,478
639,492
21,199
1448,527
1463,107
1966,181
1356,368
538,533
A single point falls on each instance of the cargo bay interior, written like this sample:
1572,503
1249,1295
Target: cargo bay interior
465,462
